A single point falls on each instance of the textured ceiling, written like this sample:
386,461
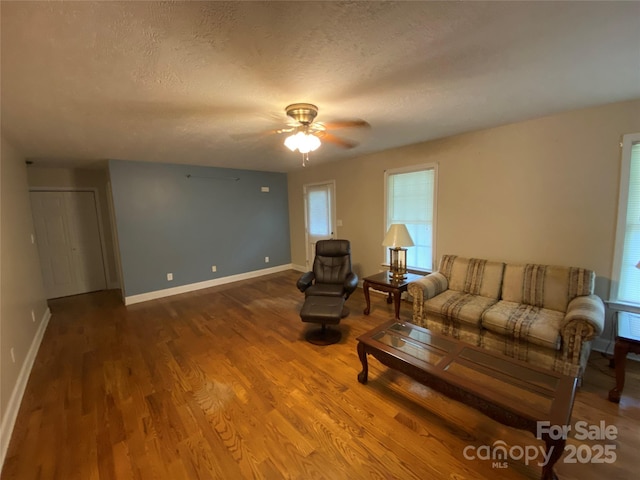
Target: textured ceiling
176,82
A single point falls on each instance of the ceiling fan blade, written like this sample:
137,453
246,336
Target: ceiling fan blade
245,136
331,138
346,124
286,130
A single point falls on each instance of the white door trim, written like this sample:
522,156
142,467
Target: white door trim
332,183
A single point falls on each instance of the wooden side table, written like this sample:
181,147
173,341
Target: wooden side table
384,282
627,341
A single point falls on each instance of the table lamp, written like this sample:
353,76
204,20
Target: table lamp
396,239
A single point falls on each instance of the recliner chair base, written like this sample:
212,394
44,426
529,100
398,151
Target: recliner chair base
323,336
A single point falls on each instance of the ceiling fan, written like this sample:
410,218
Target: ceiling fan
307,135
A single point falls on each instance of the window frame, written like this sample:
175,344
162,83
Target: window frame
410,169
628,141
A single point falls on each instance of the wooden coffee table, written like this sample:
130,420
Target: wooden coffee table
384,282
509,391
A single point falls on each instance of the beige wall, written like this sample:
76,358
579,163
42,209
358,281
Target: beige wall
79,178
21,288
539,191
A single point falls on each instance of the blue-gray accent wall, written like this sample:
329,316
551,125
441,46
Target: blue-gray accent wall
183,219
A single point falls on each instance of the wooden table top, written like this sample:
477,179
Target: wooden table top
385,278
528,391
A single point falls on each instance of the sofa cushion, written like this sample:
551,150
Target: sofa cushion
535,354
545,286
459,306
473,275
525,322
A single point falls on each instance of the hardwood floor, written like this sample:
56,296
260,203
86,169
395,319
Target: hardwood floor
220,384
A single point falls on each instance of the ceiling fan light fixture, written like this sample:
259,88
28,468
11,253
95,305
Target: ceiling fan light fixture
303,142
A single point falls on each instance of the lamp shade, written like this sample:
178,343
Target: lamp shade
397,236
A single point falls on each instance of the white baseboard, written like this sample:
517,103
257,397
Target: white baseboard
299,268
167,292
11,414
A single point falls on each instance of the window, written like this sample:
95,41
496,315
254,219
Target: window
410,199
625,287
319,209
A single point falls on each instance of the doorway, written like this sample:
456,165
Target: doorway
69,242
320,215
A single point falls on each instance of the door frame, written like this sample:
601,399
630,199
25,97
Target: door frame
116,243
96,198
308,260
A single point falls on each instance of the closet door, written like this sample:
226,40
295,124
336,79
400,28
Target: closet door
69,243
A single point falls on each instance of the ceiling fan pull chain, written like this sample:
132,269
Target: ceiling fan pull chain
305,159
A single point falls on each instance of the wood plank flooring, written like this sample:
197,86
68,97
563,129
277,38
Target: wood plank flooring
220,384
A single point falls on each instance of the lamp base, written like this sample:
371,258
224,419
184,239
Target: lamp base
397,276
398,263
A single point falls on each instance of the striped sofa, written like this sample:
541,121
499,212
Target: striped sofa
543,314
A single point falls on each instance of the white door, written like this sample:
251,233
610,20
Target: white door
69,243
319,199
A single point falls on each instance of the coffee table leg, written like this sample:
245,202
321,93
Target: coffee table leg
362,354
365,287
556,447
620,359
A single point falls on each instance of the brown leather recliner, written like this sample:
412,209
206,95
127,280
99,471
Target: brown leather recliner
326,288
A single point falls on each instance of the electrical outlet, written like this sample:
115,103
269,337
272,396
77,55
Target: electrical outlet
214,268
169,277
33,316
266,259
33,239
264,189
13,356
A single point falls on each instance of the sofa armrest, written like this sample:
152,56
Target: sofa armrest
350,283
427,287
586,309
305,281
583,322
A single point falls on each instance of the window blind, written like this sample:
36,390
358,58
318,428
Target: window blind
319,207
410,200
629,283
